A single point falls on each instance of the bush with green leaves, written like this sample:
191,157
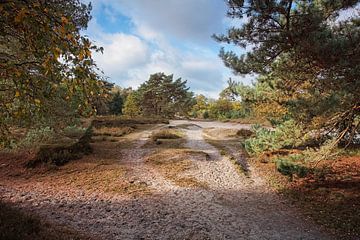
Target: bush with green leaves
74,131
38,135
288,167
286,135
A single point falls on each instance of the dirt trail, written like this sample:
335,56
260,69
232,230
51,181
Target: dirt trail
231,206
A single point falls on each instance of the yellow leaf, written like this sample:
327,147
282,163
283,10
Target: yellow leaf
69,37
19,17
57,52
17,94
64,20
37,101
88,53
81,56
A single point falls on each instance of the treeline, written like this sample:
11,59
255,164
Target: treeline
160,96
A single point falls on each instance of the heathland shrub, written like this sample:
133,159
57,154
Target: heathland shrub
166,134
286,135
74,131
287,166
38,135
61,153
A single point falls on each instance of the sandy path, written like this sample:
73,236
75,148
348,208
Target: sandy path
231,207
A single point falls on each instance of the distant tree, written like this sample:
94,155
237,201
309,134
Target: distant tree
200,106
132,105
116,104
163,96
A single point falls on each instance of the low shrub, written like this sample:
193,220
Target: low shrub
288,167
113,131
74,131
166,134
38,136
246,133
286,135
59,154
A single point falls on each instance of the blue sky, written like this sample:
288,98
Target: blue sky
141,37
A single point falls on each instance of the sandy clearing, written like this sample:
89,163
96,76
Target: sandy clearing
231,207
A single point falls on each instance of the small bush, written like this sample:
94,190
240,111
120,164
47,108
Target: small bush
166,134
246,133
74,131
113,131
37,136
288,167
206,115
286,135
59,154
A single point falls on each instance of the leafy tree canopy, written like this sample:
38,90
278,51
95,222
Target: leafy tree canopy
45,62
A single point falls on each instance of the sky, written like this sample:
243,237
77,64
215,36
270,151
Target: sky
142,37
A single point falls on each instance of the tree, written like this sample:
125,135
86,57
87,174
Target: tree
116,104
163,96
132,105
200,106
306,54
45,61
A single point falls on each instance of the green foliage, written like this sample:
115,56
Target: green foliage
74,131
308,66
61,153
288,167
286,135
160,96
132,105
47,73
226,107
116,104
205,115
37,136
326,151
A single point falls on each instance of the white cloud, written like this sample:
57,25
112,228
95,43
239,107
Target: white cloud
122,52
167,36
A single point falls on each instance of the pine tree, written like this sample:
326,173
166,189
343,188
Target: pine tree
307,54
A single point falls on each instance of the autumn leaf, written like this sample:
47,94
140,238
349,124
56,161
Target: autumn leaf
19,17
17,94
64,20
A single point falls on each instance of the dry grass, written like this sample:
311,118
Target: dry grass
120,121
175,163
166,134
330,195
101,172
112,131
221,133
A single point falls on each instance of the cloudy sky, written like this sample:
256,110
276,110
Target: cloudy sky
141,37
